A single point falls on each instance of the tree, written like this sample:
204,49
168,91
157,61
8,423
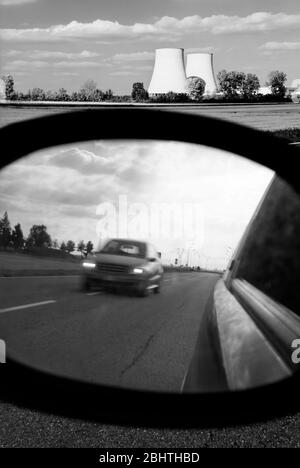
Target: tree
55,244
250,86
88,90
62,95
38,94
108,95
196,87
231,83
5,231
75,96
17,237
98,95
170,96
51,95
38,236
63,246
89,247
81,247
70,247
9,87
276,80
138,92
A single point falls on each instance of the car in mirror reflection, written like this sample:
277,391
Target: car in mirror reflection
124,264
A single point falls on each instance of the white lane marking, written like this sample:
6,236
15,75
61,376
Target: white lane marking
41,276
93,293
26,306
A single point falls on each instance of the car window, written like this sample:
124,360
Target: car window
269,259
152,252
129,248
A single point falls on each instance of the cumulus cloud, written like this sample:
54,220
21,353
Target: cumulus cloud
62,187
207,49
51,54
15,2
65,74
84,64
166,28
133,57
17,64
269,46
127,70
39,64
123,73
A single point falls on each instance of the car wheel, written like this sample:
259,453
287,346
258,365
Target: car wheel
86,284
157,289
143,291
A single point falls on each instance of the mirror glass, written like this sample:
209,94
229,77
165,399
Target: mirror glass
111,253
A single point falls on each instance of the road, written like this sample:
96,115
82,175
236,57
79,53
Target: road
103,337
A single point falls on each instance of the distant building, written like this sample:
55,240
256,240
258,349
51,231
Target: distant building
201,66
294,91
295,84
168,73
264,90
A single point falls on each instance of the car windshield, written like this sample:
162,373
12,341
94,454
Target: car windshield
123,247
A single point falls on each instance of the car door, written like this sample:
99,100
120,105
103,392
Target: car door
264,275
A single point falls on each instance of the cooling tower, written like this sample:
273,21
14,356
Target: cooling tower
169,73
201,65
295,83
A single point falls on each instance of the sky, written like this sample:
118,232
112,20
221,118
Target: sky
62,43
186,199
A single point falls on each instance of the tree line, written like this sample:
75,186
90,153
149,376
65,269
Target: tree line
38,237
232,86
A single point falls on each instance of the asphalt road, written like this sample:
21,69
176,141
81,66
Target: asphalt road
117,339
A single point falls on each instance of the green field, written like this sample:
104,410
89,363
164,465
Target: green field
19,264
260,116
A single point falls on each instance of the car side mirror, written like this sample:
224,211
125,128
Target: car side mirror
199,398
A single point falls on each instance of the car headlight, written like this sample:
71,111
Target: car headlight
137,271
89,265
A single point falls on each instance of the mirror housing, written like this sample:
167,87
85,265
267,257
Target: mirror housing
72,398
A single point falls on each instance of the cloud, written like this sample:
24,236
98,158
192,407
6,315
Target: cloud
81,160
192,50
17,64
21,73
127,70
133,57
166,28
65,74
15,2
123,73
62,187
269,46
39,64
85,64
51,54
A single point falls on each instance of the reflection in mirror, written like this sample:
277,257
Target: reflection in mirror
112,257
